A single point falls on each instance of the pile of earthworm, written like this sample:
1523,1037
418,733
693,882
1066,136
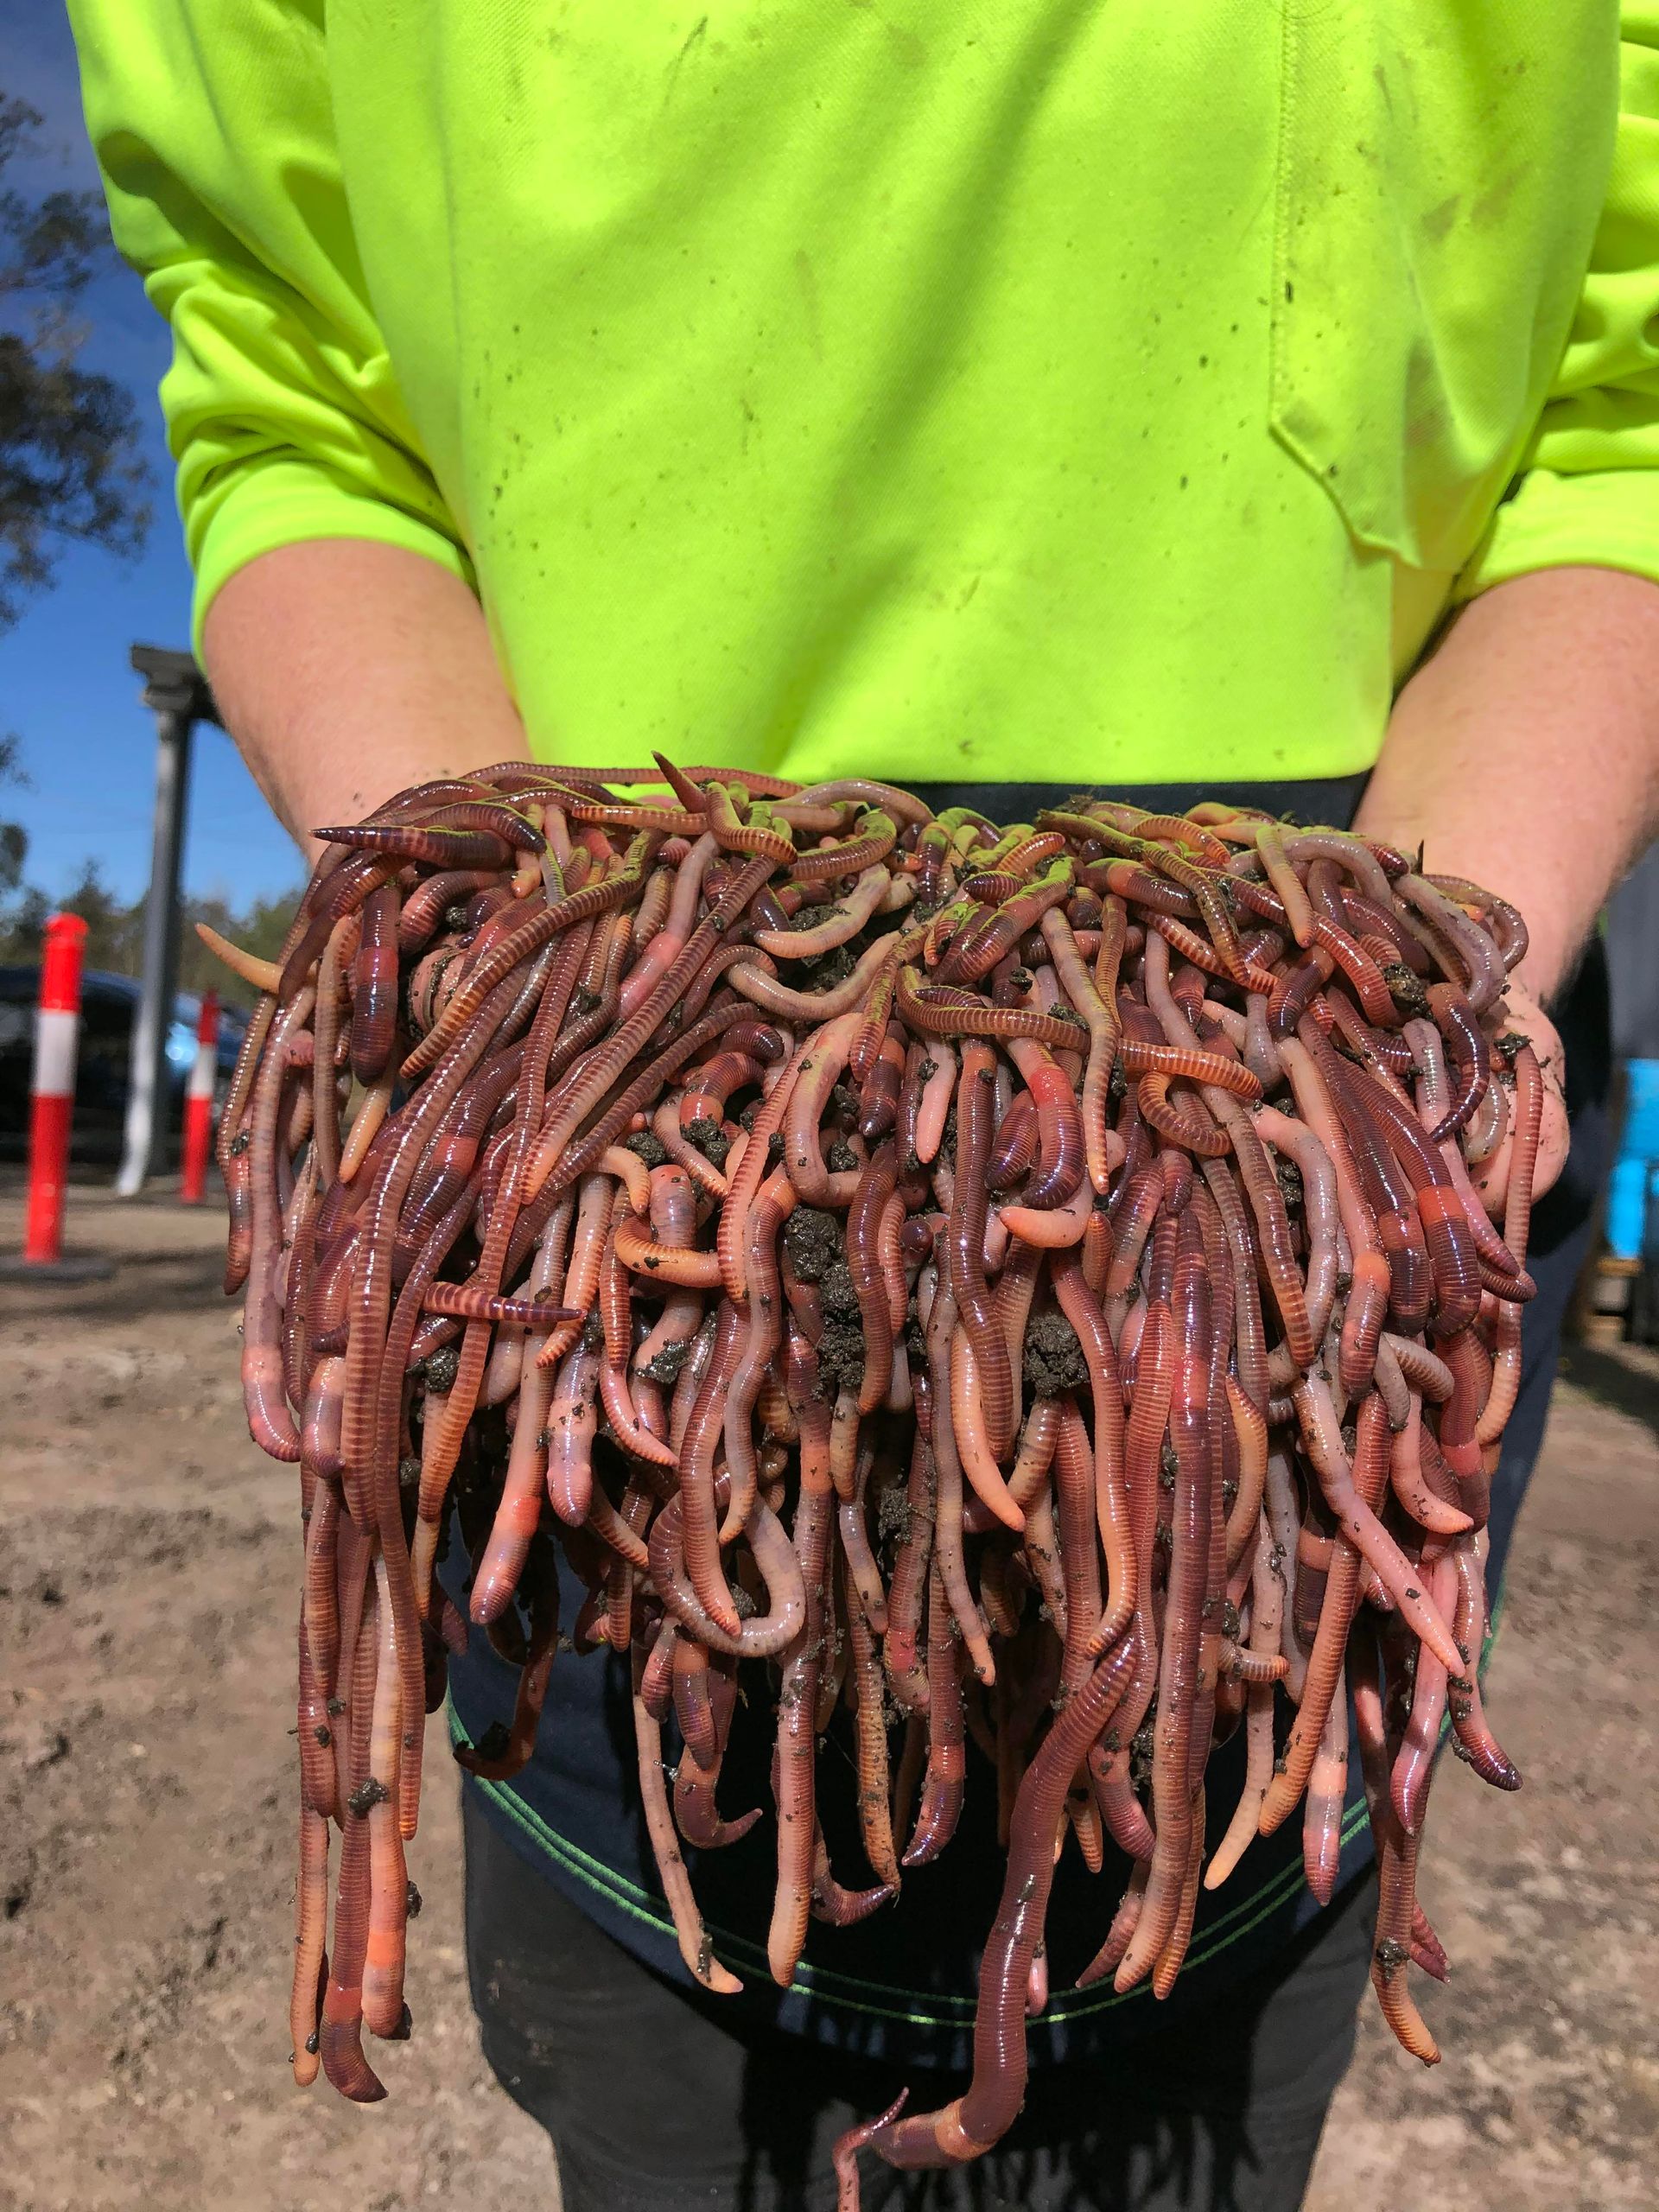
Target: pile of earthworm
1025,1285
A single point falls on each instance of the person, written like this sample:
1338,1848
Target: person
1174,400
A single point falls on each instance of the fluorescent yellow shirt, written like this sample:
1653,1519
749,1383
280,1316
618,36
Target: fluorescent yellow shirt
1045,391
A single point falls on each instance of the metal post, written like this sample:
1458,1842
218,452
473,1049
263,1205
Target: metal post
146,1129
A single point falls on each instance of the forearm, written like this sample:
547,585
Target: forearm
345,670
1525,753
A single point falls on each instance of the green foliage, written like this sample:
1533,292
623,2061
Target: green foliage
115,932
71,466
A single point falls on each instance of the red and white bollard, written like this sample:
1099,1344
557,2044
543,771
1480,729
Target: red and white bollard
57,1028
199,1105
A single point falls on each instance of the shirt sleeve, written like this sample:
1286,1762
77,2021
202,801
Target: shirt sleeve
212,124
1588,493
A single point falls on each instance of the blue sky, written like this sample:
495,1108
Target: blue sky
66,687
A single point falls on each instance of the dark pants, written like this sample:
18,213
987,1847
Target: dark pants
656,2097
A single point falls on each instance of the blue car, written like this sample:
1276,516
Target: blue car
109,1007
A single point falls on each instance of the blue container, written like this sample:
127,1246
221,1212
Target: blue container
1627,1206
1640,1138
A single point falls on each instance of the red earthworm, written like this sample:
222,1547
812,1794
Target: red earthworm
878,1102
764,1635
793,1765
1439,1515
877,1182
1488,1125
876,834
967,1238
695,1783
572,1421
831,1902
374,985
697,1466
1276,862
946,1772
976,948
864,1685
1061,1150
1366,978
938,1013
1351,854
1470,1055
384,1947
539,928
341,894
1358,1520
1059,1230
864,1577
970,1424
665,1128
1474,951
1475,1739
1376,1048
938,1084
686,1266
1098,1009
907,1586
713,1082
1397,1874
842,922
1426,1042
1074,1493
948,1478
1082,1309
1444,1226
529,1698
1173,1061
971,2123
519,1515
745,1182
431,899
1266,1613
662,947
1133,1228
695,1948
340,2031
863,790
465,1302
270,1421
310,1958
1507,927
1124,879
1409,1776
430,846
1015,1144
325,1092
1297,1141
588,1149
1327,1788
693,1705
761,988
816,1076
774,1202
1180,1688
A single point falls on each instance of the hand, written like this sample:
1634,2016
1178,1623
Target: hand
1491,1178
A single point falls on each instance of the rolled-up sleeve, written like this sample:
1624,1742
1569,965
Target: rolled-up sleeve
211,126
1588,491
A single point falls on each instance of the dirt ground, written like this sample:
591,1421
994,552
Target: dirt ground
146,1600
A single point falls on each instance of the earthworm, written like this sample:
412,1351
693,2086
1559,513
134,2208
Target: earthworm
557,1175
696,1951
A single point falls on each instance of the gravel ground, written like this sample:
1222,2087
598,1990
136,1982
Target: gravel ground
146,1597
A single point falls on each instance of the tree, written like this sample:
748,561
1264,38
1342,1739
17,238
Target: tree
70,464
14,838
